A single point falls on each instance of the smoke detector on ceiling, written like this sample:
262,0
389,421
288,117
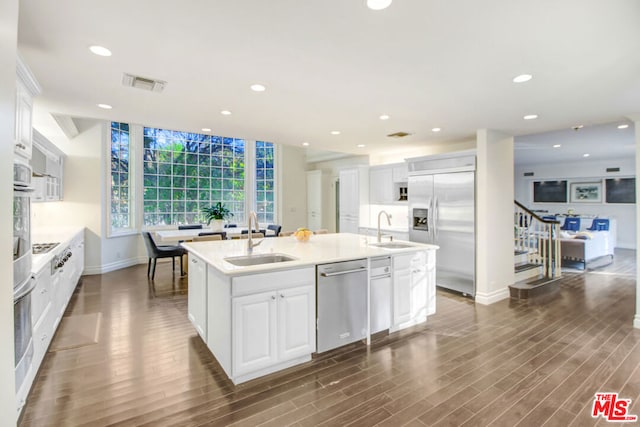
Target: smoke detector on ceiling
143,83
398,135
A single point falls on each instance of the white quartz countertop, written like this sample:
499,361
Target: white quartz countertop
320,249
61,235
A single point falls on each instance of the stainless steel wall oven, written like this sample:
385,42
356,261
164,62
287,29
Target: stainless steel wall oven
22,281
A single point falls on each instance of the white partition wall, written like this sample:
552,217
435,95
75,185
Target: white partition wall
494,216
8,43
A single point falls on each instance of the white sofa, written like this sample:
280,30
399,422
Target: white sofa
586,246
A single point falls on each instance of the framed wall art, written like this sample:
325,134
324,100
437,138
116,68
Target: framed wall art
586,192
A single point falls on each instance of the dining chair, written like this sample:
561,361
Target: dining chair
321,231
207,238
276,229
285,233
223,234
263,231
246,236
190,227
164,251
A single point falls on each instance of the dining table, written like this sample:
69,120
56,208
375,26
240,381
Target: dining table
174,235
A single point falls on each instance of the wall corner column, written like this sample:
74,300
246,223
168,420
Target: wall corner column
494,216
636,123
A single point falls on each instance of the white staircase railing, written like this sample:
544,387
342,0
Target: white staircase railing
538,238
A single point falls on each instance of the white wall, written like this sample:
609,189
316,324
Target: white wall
8,43
406,152
585,171
292,179
494,216
82,203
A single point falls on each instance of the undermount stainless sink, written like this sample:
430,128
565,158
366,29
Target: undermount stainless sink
392,245
247,260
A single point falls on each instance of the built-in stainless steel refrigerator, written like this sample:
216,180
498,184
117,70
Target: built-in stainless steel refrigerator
442,212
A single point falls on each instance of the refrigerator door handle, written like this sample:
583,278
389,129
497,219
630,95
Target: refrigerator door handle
434,218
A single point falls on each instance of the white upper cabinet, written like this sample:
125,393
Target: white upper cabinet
388,184
26,89
47,162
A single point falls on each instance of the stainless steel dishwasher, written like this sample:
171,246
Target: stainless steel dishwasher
380,294
342,303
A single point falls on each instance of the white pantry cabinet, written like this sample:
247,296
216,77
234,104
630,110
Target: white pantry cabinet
318,199
354,193
197,295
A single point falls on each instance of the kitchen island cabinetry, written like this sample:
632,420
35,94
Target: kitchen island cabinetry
260,323
197,295
260,316
413,300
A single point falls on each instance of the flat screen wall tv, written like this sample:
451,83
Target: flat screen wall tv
550,191
620,190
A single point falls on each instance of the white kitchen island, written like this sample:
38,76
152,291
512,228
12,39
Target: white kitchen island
259,319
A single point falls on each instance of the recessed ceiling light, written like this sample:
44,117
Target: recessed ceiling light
306,144
378,4
623,126
335,132
206,130
100,51
586,155
436,130
530,117
105,106
258,88
360,145
557,146
384,117
577,127
522,78
225,112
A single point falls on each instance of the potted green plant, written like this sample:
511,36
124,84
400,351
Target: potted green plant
216,213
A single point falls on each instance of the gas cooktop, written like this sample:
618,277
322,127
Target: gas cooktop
42,248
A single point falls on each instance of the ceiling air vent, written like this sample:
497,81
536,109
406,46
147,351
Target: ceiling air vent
398,135
528,174
143,83
613,169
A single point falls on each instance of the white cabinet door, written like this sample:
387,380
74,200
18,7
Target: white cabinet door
197,295
381,189
401,288
254,332
24,133
296,326
314,200
349,193
431,282
401,173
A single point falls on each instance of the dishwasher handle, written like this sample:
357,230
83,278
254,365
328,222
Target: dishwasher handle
340,273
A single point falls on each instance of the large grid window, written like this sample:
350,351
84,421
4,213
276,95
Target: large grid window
265,190
185,172
120,177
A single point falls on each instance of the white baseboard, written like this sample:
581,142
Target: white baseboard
492,297
113,266
636,321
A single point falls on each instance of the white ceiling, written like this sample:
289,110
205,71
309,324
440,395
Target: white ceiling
336,65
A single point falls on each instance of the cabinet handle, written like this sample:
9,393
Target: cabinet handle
273,297
281,295
44,337
21,145
194,261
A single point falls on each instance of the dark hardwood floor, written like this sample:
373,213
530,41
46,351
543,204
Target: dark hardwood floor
531,363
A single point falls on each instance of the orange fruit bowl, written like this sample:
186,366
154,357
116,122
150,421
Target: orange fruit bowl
303,235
